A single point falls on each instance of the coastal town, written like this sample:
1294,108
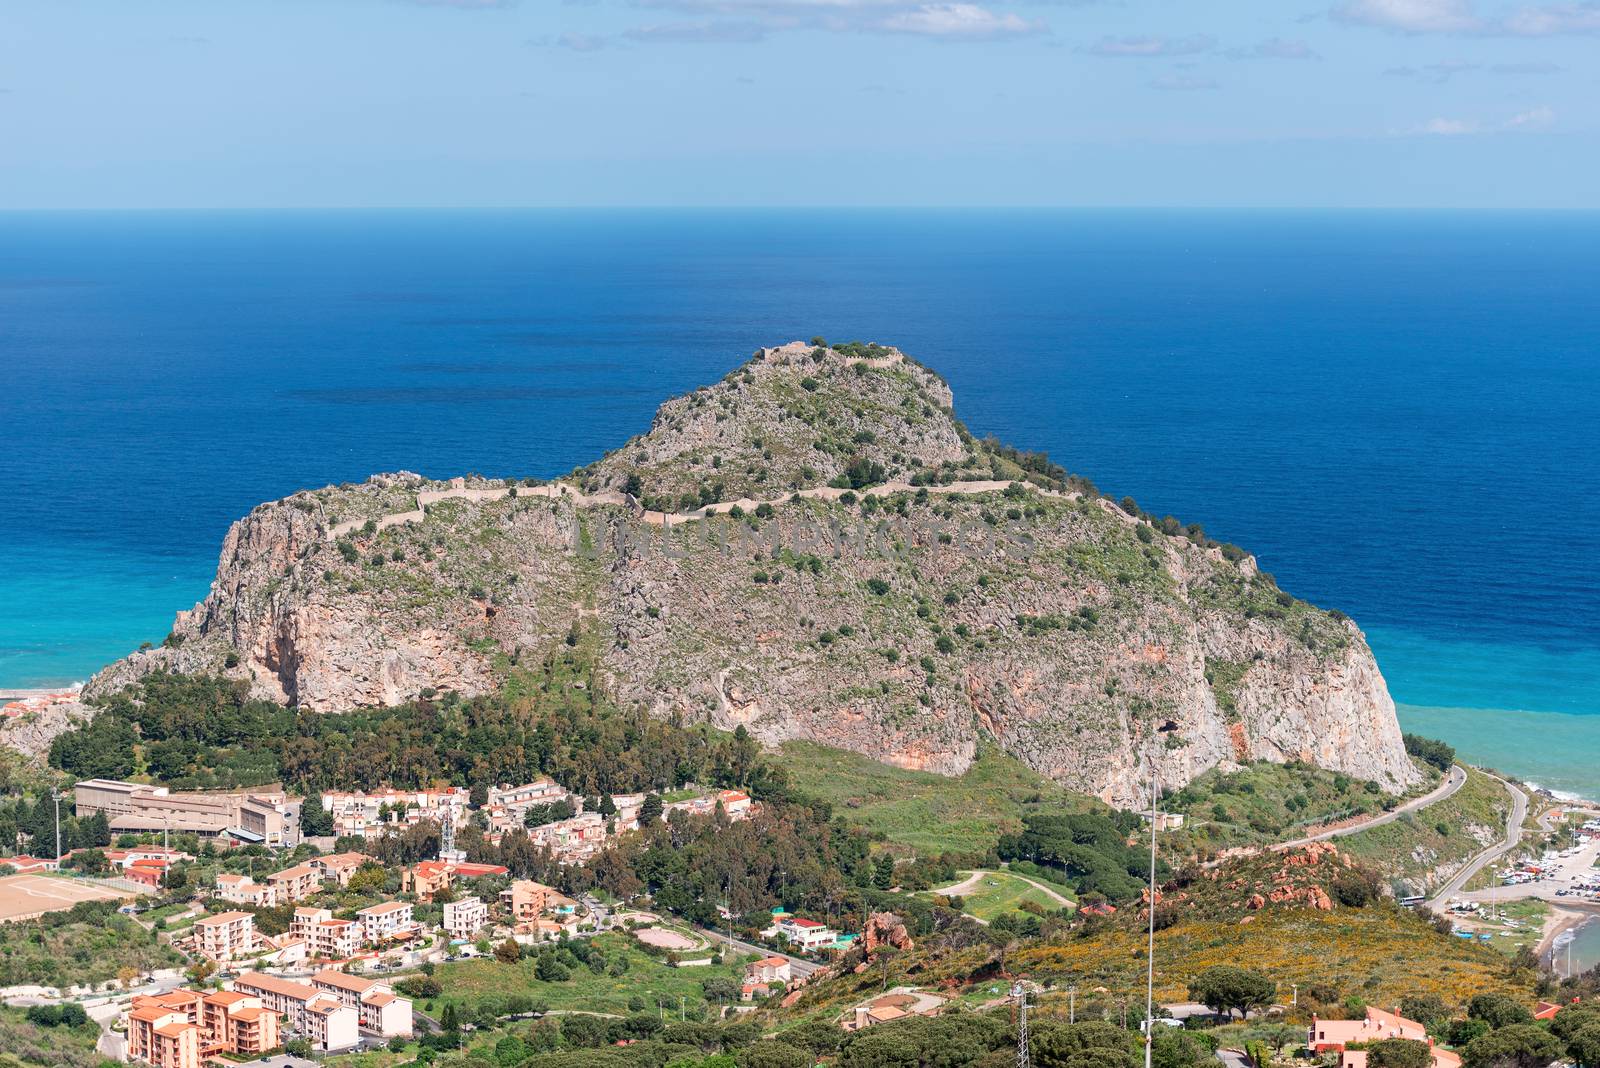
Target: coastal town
309,937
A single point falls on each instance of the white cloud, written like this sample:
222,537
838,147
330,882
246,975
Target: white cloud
701,32
581,42
1274,48
1152,46
1463,17
958,20
1554,19
1185,83
1534,119
1449,127
1537,118
1411,16
947,19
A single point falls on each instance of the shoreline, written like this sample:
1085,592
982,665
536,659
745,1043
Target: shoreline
1561,921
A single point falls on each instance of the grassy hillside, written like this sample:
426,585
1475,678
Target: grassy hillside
25,1043
1268,802
922,812
1424,848
997,893
629,976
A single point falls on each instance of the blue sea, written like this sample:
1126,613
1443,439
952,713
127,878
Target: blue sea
1397,412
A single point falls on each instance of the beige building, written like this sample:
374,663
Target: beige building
526,900
338,867
226,936
243,890
268,814
294,884
320,1017
325,936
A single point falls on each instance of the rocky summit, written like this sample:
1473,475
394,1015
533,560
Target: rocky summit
813,547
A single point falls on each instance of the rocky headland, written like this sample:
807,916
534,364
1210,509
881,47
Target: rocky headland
813,547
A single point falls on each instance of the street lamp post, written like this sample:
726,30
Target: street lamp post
1150,949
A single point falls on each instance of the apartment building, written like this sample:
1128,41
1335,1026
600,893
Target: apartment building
243,890
427,877
294,884
226,936
163,1035
801,932
465,918
381,1010
370,814
386,922
325,936
526,900
185,1028
572,841
320,1017
507,806
269,815
338,867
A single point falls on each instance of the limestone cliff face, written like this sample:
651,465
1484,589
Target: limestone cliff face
903,624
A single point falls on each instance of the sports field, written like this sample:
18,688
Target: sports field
22,897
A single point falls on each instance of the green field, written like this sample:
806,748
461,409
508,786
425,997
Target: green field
921,811
470,983
999,893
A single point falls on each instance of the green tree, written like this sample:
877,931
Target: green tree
1513,1046
315,820
1429,1010
1227,989
774,1055
1584,1046
1498,1010
883,872
1085,1045
1399,1053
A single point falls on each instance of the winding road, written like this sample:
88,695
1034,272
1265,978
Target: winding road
1452,782
1519,812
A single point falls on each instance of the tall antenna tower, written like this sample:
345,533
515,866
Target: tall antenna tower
1019,995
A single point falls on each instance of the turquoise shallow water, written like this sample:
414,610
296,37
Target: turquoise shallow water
1395,412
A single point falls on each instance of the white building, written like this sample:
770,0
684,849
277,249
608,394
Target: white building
370,814
323,1018
390,920
465,918
801,932
382,1011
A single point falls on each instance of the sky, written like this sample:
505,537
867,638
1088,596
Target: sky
500,103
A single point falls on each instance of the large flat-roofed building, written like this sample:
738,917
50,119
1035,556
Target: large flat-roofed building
269,814
325,1020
